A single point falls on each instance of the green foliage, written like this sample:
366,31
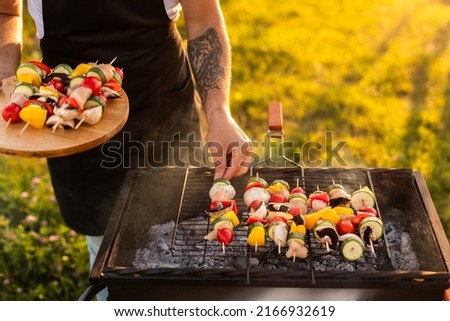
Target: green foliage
374,73
41,258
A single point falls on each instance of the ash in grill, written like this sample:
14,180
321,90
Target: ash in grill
190,250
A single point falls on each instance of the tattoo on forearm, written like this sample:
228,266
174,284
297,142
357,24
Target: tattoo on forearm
205,53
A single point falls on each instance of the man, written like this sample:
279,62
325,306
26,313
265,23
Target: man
143,37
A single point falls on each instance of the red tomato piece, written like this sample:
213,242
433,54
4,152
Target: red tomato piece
345,227
251,220
278,198
297,190
225,235
321,196
93,84
57,84
358,218
295,210
254,184
10,112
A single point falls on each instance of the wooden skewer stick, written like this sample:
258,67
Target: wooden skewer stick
318,187
332,180
293,257
223,248
55,126
112,61
256,246
297,182
80,122
327,245
24,128
279,247
371,244
7,124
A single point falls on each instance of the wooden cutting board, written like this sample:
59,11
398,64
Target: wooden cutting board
44,143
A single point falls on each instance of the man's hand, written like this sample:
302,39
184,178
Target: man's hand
229,146
210,57
10,36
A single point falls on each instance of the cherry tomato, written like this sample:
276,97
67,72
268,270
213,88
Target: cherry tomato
297,190
278,198
321,196
345,227
11,112
254,184
57,84
225,236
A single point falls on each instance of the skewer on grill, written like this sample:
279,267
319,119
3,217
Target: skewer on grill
222,212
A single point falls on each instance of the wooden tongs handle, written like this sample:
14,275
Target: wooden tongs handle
275,116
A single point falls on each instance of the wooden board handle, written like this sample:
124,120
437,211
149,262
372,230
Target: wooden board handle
275,116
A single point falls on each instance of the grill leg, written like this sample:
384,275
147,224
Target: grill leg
91,292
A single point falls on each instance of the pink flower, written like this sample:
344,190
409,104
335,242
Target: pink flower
30,218
72,233
53,238
24,194
35,181
52,198
44,223
6,282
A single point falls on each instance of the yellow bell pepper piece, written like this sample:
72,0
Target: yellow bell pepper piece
257,236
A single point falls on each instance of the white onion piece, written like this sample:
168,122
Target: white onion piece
317,205
299,202
220,192
260,212
340,193
256,194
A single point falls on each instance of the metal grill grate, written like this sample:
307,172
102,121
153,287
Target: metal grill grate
193,224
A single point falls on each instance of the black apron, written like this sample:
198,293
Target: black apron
158,82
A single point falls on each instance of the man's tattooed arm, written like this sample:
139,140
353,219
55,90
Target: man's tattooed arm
205,53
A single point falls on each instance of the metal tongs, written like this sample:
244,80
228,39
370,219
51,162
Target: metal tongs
275,131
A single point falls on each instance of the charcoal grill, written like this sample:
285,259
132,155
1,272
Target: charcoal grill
153,197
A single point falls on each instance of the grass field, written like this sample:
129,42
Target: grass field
374,75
